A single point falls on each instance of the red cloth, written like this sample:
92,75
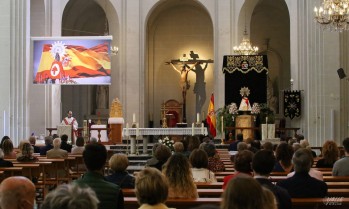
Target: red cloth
229,177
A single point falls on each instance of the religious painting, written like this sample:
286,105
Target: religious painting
71,60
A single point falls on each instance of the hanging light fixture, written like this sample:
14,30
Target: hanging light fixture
245,47
113,49
333,15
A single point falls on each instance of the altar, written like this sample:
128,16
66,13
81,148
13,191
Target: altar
163,131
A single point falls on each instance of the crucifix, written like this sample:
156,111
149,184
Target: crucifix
183,71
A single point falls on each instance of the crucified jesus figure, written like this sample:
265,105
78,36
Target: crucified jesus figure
183,82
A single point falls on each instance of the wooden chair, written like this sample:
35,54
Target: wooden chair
77,167
172,110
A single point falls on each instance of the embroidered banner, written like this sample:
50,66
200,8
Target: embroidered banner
244,63
292,104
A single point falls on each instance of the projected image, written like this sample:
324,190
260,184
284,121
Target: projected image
71,61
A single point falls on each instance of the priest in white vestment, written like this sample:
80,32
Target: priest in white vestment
70,120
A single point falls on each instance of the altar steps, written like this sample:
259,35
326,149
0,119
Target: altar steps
138,160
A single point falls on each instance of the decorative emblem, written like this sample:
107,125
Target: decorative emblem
292,104
244,91
115,109
58,49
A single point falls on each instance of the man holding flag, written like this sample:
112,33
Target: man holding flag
211,117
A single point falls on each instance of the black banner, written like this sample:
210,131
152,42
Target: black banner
245,63
292,104
245,71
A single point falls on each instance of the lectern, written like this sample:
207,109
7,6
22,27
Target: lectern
67,130
116,122
246,123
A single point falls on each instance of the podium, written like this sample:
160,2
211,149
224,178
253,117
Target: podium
268,131
245,125
67,130
116,124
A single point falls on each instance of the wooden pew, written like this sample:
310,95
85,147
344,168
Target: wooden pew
297,203
218,192
320,203
202,192
279,178
338,185
326,178
218,185
338,192
205,185
11,171
131,202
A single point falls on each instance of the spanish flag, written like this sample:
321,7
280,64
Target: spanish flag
77,62
211,117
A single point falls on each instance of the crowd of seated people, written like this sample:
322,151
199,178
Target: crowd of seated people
176,173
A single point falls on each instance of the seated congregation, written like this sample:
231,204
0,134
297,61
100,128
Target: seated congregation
193,175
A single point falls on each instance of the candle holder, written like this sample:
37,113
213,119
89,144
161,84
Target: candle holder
127,148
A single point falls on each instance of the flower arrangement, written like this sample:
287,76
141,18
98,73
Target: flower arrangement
233,109
167,142
255,109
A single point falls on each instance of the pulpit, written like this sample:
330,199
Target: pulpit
116,122
245,125
67,130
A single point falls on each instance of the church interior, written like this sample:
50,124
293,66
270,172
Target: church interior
147,35
231,69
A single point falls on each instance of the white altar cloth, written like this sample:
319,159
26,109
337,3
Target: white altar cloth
165,131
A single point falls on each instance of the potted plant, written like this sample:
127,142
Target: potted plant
266,114
229,113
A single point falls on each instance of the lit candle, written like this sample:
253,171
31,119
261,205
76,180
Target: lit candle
192,129
134,118
197,117
137,129
127,131
202,128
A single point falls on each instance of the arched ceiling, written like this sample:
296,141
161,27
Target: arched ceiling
83,18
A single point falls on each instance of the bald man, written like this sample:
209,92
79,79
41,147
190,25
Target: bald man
17,192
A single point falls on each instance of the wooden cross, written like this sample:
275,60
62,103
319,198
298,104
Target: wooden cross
194,60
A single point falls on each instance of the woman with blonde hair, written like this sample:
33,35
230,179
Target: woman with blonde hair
26,154
330,154
180,179
151,189
119,163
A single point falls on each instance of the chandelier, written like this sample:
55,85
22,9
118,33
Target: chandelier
333,15
245,47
